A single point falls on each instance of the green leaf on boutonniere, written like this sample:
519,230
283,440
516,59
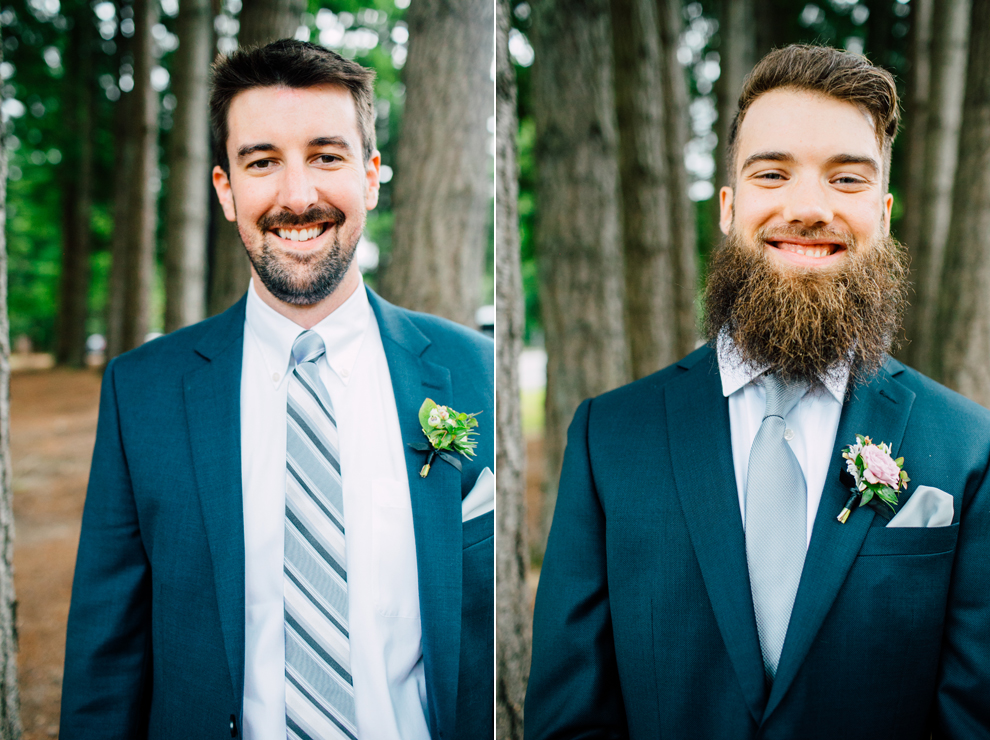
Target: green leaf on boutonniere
447,431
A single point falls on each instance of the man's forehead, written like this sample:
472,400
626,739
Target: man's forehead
792,116
281,108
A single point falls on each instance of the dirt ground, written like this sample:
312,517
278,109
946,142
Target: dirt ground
53,426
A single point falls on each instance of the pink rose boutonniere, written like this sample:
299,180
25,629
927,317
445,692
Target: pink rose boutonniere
875,472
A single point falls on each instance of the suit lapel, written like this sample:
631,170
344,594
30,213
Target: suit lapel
213,411
879,410
436,508
701,456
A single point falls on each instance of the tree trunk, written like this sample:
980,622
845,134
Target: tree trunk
964,307
10,702
442,185
737,56
684,233
264,21
514,621
77,193
144,215
916,106
642,104
261,22
189,169
950,33
123,193
577,231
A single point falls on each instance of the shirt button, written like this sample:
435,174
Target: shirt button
275,377
788,434
344,373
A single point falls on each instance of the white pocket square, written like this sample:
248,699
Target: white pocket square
481,499
927,507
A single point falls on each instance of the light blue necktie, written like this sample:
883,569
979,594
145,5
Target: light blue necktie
319,690
776,521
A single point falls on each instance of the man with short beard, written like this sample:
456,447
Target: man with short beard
261,555
716,568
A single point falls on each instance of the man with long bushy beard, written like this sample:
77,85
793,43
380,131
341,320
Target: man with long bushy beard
785,534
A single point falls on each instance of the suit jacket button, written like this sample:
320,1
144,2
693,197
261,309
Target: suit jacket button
233,726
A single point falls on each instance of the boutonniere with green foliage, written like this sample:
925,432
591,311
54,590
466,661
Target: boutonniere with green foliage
875,473
448,431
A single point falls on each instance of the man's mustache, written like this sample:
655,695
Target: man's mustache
317,214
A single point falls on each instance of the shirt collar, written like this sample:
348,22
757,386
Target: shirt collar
342,332
736,373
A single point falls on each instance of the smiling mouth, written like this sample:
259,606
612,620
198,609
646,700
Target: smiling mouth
302,234
807,249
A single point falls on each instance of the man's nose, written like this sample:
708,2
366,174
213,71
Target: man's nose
807,203
298,192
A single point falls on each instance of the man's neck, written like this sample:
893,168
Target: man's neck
309,316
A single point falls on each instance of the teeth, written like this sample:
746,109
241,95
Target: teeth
300,235
807,251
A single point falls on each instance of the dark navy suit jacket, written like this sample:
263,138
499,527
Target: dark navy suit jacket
155,644
644,623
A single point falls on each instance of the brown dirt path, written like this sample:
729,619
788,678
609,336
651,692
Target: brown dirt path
53,427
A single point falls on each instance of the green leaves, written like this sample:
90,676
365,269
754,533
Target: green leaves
447,429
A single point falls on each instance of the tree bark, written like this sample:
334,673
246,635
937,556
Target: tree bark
261,22
144,219
577,232
189,169
123,193
950,32
642,103
514,621
916,123
77,193
10,702
684,233
964,308
442,187
737,56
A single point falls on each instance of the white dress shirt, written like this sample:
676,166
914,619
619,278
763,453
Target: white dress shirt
811,425
383,594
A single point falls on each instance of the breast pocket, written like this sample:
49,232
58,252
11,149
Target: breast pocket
394,550
909,540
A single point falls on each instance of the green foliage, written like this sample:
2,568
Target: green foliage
43,149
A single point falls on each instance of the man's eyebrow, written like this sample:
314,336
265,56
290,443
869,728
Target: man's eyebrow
250,149
854,159
767,157
338,141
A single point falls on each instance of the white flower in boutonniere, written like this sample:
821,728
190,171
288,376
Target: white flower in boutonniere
447,431
875,473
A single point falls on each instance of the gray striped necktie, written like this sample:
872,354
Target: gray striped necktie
319,691
776,521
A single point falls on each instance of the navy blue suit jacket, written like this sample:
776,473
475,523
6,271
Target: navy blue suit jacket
155,644
644,623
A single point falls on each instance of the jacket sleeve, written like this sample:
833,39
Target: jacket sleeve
962,704
574,683
107,681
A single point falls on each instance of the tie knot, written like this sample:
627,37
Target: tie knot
781,396
308,347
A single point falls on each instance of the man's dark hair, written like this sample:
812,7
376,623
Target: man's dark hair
842,75
288,63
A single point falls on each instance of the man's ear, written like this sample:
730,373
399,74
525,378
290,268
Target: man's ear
372,171
888,204
725,209
221,183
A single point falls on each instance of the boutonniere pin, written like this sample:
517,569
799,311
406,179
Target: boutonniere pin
875,473
447,431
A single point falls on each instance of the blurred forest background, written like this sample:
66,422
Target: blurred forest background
112,225
612,115
113,235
